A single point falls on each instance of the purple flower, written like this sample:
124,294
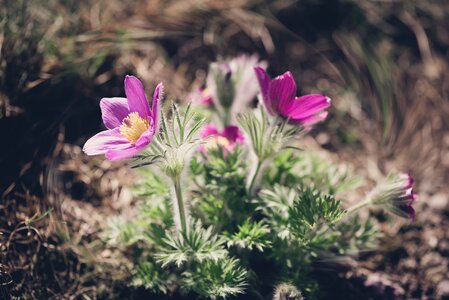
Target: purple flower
130,123
227,139
232,83
279,97
397,194
402,204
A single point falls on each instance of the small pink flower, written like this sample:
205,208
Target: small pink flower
397,194
402,205
227,139
279,97
130,123
201,96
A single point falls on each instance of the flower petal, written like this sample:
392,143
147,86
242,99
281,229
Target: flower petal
233,134
104,141
113,111
264,83
208,130
137,101
282,91
309,108
145,138
121,154
155,109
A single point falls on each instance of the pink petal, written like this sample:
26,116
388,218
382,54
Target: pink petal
411,212
208,130
145,138
311,119
282,91
307,106
104,141
264,83
124,153
233,134
157,98
137,101
113,111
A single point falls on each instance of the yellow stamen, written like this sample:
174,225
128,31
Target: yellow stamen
217,141
133,126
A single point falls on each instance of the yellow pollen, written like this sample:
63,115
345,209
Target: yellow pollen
217,141
133,126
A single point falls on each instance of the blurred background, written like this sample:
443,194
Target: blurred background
384,63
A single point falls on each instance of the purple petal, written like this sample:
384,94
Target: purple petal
208,130
113,111
121,154
145,138
264,83
311,119
157,98
137,101
410,181
309,108
104,141
282,91
233,134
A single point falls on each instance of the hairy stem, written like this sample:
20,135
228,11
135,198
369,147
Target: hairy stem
359,205
180,201
256,174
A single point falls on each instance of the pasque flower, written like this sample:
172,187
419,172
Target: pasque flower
232,84
279,97
130,122
227,139
397,194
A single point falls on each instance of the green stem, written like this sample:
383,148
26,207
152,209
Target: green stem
359,205
256,174
180,201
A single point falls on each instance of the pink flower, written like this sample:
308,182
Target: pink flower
227,139
402,204
397,194
279,97
130,123
201,96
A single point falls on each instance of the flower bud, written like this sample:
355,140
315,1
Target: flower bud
222,84
396,194
286,291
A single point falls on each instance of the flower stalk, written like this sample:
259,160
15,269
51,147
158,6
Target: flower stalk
180,202
255,176
359,205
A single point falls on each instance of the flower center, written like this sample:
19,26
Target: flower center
133,126
216,142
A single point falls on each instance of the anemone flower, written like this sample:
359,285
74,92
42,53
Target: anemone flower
279,97
401,203
130,122
226,139
397,195
232,83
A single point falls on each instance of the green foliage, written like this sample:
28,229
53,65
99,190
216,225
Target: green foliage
220,196
251,235
267,136
152,277
232,230
312,209
309,169
195,245
217,279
